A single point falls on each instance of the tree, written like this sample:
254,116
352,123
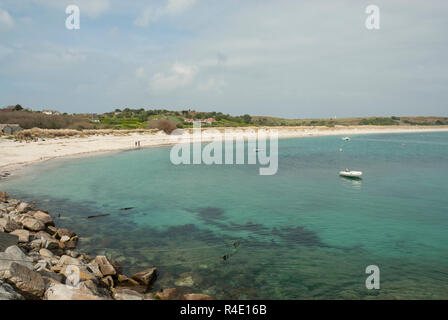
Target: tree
247,118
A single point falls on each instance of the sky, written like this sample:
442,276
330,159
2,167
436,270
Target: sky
295,59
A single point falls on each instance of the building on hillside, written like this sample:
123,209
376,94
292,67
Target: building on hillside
50,112
208,121
10,129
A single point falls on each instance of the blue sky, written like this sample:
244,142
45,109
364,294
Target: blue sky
297,59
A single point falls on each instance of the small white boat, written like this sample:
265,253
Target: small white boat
346,139
258,149
351,174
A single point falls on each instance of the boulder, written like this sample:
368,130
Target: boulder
95,268
65,238
3,196
52,230
8,293
36,244
48,242
65,292
43,217
91,287
9,225
107,269
64,232
71,244
15,254
126,294
168,294
48,278
66,261
27,282
13,202
125,281
146,277
24,235
33,224
46,253
7,240
47,274
23,207
108,281
196,296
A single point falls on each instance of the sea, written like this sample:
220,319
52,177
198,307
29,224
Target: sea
227,231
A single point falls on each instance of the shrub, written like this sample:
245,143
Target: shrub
162,124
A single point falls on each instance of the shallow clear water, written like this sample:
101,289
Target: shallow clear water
302,233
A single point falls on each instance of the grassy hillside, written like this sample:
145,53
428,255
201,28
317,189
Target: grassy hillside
130,119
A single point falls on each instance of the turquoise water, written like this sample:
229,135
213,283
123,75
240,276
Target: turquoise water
304,233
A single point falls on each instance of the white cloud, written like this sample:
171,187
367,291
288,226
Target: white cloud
5,51
212,84
147,16
6,21
92,8
179,76
140,73
172,8
178,6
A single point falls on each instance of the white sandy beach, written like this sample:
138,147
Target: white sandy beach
14,154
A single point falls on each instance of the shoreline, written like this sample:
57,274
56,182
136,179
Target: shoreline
41,261
15,155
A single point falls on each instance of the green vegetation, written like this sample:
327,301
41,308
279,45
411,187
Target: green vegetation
167,120
378,122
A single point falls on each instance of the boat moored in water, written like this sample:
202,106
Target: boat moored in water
351,174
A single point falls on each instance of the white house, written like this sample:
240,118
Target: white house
50,112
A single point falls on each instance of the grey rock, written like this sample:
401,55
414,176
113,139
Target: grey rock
23,207
46,253
107,269
146,277
27,282
9,225
24,235
7,240
8,293
33,224
65,292
126,294
43,217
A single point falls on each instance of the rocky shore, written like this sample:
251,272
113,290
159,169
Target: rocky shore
39,261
